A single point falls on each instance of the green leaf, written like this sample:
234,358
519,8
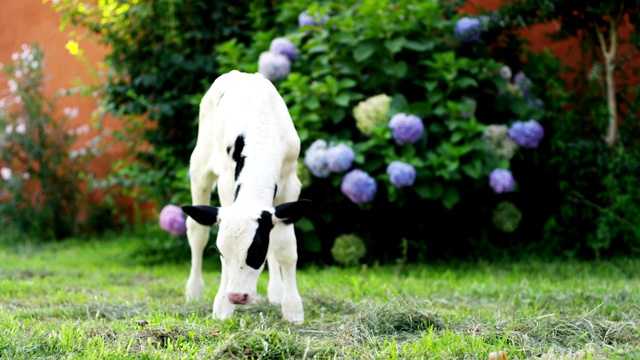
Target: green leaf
465,82
419,45
311,103
395,45
431,191
450,197
397,70
337,115
347,83
363,51
457,136
431,85
342,99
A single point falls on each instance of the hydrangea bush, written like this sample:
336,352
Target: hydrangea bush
386,101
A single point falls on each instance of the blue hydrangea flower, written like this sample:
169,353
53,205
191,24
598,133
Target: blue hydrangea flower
401,174
340,158
273,66
172,220
467,29
527,134
316,159
407,129
359,186
284,47
501,181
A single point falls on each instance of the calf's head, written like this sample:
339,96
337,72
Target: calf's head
243,240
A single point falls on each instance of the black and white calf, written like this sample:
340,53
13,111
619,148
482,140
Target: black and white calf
248,147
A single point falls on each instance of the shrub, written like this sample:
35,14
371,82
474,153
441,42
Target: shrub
398,83
42,170
348,249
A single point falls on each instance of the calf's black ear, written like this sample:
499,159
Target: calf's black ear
291,212
202,214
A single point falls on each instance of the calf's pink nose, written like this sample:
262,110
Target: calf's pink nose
240,299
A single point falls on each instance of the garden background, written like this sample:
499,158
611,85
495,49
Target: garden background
474,182
572,192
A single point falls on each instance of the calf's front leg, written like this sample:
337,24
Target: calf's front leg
285,252
275,288
222,308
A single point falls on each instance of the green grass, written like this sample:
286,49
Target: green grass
94,301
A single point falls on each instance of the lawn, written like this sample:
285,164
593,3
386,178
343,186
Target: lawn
93,300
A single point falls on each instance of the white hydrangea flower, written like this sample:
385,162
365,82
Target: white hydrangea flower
372,112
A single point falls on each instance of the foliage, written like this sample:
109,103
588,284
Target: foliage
42,168
598,206
409,52
160,63
468,79
598,24
598,185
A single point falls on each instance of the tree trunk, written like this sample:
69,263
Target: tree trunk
609,55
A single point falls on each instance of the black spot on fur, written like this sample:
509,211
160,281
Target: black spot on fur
220,98
257,254
229,150
237,155
275,191
237,192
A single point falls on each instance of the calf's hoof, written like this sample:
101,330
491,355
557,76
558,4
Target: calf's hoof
293,312
195,290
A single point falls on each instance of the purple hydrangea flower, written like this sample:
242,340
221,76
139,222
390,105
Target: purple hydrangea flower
273,66
316,159
304,19
467,29
524,84
172,220
501,181
527,134
340,158
401,174
537,103
359,186
284,47
406,128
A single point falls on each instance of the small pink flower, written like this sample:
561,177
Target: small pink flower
8,129
26,176
21,128
13,86
70,112
82,129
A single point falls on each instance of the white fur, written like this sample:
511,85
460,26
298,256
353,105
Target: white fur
248,104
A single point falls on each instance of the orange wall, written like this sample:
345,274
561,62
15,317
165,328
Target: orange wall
567,50
32,22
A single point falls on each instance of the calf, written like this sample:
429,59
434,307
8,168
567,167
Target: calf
248,147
